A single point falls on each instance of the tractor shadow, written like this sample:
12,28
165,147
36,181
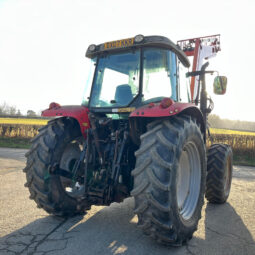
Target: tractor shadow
222,231
112,230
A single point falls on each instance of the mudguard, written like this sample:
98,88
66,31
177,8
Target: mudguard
78,112
157,110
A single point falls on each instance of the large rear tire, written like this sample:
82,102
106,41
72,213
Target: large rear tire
56,143
219,173
169,180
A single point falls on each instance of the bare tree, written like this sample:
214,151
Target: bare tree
31,113
6,109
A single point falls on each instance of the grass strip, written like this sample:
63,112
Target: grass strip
13,142
243,160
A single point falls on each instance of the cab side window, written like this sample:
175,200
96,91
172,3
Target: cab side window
184,84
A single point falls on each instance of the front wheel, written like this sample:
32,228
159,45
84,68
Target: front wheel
169,180
219,173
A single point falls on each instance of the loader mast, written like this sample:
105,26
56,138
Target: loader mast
199,48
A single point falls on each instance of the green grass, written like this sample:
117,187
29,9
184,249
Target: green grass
243,161
20,143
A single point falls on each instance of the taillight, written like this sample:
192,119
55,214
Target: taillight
53,105
166,102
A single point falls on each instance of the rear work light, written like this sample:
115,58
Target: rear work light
92,47
139,38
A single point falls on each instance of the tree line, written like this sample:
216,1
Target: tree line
10,110
216,122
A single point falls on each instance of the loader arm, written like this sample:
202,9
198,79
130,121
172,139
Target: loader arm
200,48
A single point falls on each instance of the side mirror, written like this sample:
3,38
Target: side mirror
220,85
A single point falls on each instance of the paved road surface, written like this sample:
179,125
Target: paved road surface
227,229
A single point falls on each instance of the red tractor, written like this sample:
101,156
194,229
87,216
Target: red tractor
138,133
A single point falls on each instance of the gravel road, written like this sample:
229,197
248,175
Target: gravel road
227,229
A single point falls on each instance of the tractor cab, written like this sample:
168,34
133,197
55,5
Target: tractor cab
133,72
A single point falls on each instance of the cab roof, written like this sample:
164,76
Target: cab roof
125,44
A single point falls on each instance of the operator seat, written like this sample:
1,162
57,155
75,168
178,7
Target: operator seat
123,94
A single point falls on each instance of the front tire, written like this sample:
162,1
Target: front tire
169,180
56,143
219,173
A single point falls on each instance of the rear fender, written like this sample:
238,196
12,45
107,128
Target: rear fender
80,113
143,115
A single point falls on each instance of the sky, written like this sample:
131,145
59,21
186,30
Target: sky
43,45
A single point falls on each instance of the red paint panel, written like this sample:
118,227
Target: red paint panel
157,111
189,53
80,113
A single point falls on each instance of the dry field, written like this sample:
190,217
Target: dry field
23,121
242,142
231,132
20,127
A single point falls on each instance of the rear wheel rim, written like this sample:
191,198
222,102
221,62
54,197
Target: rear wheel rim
70,155
188,180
